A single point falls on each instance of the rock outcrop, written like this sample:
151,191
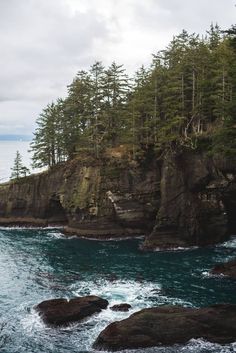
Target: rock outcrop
108,198
178,201
227,269
121,307
60,312
198,202
170,325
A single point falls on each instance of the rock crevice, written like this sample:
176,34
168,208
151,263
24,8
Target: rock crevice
181,201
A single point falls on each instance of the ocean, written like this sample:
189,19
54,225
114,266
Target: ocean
7,155
37,265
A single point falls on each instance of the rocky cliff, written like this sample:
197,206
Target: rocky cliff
181,200
110,198
198,202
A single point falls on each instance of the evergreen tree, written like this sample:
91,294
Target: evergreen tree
97,125
18,169
186,96
48,143
78,113
115,86
140,107
224,138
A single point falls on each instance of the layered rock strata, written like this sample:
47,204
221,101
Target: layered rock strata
178,201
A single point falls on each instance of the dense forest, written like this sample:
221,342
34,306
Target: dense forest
186,99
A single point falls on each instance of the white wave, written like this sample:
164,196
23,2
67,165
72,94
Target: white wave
29,227
32,322
193,346
138,295
86,332
57,235
133,292
230,244
179,248
208,274
201,346
141,237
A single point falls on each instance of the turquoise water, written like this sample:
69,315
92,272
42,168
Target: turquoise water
40,264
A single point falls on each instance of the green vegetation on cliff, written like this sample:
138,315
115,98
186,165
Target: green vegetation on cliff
186,99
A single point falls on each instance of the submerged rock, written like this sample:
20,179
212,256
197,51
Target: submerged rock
170,325
226,269
121,307
58,312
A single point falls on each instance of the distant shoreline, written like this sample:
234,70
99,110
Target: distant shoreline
24,138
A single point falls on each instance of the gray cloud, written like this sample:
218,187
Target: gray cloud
44,43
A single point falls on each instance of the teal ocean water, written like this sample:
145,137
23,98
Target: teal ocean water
41,264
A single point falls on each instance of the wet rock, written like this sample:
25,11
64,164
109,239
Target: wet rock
226,269
169,325
121,307
59,312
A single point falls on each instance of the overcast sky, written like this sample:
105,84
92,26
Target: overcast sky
44,43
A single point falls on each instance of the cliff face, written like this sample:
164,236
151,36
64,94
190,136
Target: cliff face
180,201
115,197
198,202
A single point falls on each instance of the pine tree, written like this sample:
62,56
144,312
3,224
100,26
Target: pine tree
224,138
97,125
18,169
186,96
140,108
48,145
115,85
78,113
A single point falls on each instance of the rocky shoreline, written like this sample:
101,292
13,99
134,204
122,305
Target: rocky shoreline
169,325
180,201
157,326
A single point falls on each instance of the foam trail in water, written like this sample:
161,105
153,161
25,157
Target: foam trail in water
179,248
57,235
208,274
230,244
136,293
139,294
23,228
32,322
193,346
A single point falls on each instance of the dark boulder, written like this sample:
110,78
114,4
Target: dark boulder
59,312
226,269
121,307
170,325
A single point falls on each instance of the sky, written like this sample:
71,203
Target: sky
44,43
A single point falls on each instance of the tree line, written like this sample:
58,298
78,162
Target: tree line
185,99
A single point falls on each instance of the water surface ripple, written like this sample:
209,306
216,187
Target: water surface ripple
41,264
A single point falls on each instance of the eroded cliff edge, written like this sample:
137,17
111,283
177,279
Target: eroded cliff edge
112,197
183,200
198,202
